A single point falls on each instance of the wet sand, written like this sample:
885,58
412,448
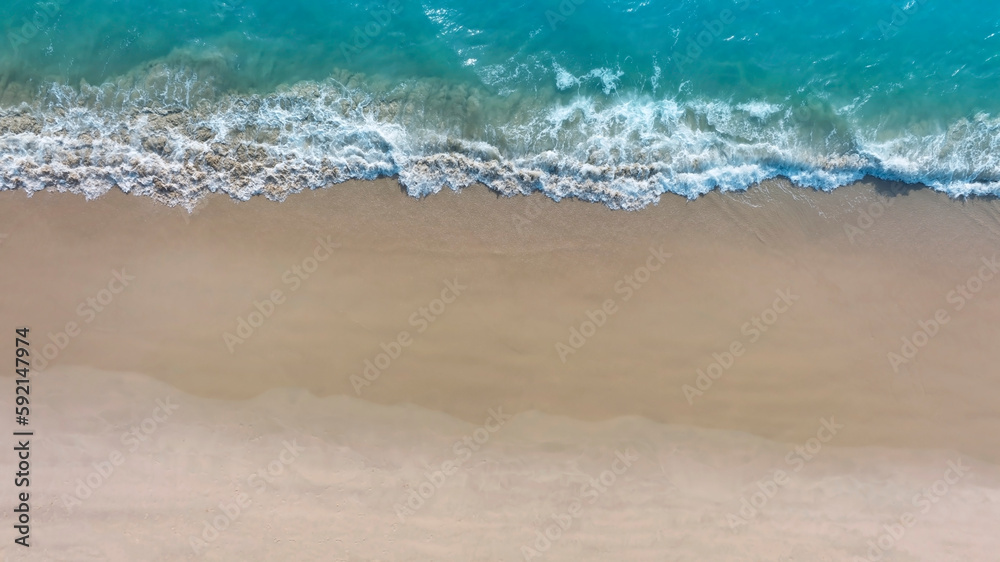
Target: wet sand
792,300
128,468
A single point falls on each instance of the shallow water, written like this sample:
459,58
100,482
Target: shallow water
615,101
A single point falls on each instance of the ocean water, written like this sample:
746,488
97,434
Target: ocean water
617,101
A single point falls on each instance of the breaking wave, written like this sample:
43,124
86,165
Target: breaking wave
171,134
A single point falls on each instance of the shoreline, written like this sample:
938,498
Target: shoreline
183,143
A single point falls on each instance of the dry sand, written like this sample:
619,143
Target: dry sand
288,476
532,270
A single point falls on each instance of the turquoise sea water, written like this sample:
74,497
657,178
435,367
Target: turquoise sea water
617,101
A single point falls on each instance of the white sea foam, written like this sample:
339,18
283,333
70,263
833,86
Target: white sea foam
171,135
564,80
608,78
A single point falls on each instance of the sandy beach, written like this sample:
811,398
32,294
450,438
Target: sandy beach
447,281
709,337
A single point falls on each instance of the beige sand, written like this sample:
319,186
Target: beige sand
532,271
497,342
288,476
